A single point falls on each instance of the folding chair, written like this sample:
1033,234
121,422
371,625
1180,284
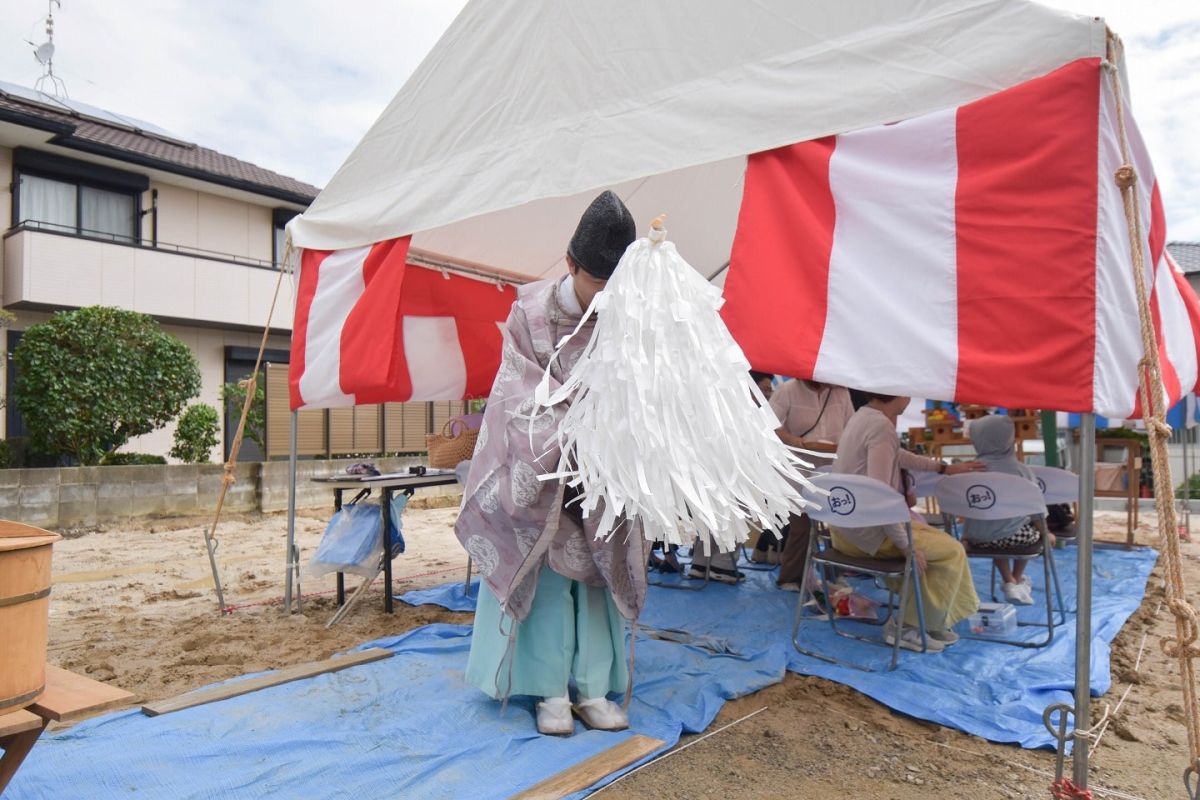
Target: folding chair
687,583
856,501
1059,486
996,496
924,485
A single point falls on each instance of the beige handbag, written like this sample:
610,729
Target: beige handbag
455,443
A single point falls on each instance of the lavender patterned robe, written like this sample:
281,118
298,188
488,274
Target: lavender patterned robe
511,523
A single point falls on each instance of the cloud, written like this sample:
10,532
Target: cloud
1162,56
292,85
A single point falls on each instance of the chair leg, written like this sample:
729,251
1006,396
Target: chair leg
686,586
1049,590
828,609
1058,593
750,566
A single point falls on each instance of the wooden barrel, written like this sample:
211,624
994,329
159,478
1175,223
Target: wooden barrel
24,611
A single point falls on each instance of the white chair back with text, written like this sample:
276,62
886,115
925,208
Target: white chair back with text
924,484
989,495
855,501
1058,485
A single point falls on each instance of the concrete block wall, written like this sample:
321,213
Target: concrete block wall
79,496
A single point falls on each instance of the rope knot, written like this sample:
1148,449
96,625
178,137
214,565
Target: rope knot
1125,176
1159,427
1066,789
1183,646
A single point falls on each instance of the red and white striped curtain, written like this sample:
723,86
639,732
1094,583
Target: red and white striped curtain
978,254
370,328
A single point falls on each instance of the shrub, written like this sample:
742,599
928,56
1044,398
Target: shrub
131,460
91,379
1192,492
196,434
233,395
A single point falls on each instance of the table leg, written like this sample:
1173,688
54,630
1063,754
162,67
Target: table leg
341,579
16,747
385,508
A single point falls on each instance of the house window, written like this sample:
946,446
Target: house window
71,207
66,195
280,218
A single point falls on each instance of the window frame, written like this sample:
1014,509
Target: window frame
280,217
49,166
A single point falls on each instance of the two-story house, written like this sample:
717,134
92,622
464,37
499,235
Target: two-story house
104,209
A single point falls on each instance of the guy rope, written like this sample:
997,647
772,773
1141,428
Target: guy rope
1183,645
250,385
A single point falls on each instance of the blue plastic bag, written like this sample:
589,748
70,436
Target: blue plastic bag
351,542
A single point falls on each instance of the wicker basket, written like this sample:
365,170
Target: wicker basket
454,444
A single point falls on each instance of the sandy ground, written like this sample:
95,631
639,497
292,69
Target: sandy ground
133,605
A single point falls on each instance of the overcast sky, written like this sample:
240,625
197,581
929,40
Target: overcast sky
292,85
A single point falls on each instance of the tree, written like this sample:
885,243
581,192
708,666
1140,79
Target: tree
233,395
196,434
89,380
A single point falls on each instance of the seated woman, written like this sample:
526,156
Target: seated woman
994,438
870,446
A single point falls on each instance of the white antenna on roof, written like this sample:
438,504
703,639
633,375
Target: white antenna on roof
44,53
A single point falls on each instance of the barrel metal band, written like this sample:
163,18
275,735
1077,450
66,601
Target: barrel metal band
24,598
21,699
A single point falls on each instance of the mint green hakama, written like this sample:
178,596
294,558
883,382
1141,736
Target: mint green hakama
573,631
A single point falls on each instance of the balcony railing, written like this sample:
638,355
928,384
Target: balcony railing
129,241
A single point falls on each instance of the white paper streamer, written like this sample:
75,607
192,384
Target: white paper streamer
664,422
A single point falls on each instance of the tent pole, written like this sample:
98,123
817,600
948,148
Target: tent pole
1186,511
1083,602
293,561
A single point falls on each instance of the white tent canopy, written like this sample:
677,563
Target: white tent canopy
524,109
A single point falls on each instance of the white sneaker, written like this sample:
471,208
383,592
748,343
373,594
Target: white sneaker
1026,581
554,717
790,586
1017,594
602,714
910,638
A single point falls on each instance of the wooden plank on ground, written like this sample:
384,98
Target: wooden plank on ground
585,773
18,721
287,675
70,695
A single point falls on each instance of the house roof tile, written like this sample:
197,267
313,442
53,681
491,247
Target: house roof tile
128,142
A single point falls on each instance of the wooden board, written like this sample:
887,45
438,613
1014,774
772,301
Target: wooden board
585,773
69,696
287,675
18,721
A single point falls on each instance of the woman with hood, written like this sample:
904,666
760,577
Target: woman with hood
993,438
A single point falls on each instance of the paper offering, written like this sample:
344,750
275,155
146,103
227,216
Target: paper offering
664,422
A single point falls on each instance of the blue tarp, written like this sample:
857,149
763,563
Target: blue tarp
409,726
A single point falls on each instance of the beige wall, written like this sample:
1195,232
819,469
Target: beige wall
209,222
61,271
5,202
52,270
208,345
